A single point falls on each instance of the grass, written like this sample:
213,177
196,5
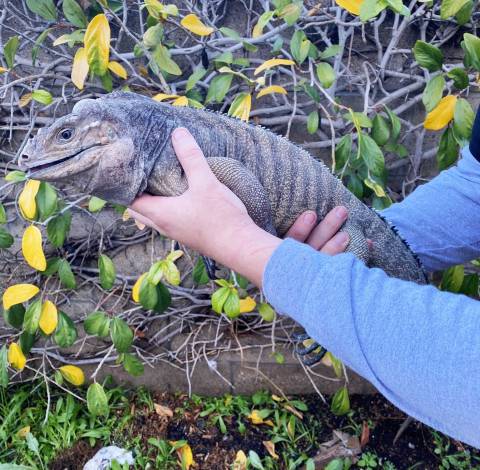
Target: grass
35,430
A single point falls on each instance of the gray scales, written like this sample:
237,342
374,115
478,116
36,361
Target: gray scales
118,146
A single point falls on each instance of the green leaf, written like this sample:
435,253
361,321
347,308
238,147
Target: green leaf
450,8
219,298
395,123
463,118
6,239
312,122
121,334
371,154
195,77
162,61
3,214
15,176
229,32
38,42
471,46
231,307
14,315
359,119
58,228
32,317
331,51
448,150
335,464
46,200
66,275
325,74
218,88
153,35
299,46
371,8
74,13
464,15
397,6
470,285
97,401
42,96
380,130
266,312
95,204
148,295
9,51
340,402
132,365
52,266
459,77
343,151
3,366
291,12
164,299
66,332
254,460
44,8
97,323
26,342
433,92
428,56
107,272
199,274
452,279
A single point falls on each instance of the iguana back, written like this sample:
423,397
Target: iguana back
274,178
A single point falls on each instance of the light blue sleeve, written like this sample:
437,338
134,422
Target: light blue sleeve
418,346
441,219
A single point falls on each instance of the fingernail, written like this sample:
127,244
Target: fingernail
341,212
343,238
180,134
309,218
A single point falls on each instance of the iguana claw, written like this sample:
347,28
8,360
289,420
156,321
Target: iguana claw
211,267
311,360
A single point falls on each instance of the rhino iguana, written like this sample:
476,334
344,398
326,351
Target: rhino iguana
119,146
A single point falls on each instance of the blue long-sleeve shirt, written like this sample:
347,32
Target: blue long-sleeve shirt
419,346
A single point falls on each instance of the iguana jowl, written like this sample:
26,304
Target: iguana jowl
119,146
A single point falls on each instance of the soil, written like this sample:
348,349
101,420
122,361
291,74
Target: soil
213,450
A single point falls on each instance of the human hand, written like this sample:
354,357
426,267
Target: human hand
325,236
207,217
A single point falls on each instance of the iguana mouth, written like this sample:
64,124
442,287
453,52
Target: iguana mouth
51,164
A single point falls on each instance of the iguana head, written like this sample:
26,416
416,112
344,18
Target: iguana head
71,145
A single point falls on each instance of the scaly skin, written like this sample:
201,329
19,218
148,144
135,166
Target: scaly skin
123,148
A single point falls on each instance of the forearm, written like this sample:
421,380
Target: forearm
414,343
440,220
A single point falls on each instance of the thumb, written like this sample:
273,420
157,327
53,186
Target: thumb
147,208
190,157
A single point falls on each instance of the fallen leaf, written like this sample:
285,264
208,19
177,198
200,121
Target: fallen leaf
240,462
23,431
270,446
365,436
180,101
186,457
24,100
194,24
294,411
163,410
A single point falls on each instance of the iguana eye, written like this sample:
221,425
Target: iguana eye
65,135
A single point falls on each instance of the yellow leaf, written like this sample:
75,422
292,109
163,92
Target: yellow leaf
157,9
24,100
255,417
32,248
80,68
186,457
97,44
164,96
63,39
270,446
23,431
241,106
268,64
247,305
442,114
180,101
272,89
26,200
240,461
16,358
136,288
117,69
193,24
352,6
18,294
73,374
48,318
3,70
163,410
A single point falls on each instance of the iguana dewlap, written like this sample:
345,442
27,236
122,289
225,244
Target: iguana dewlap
119,146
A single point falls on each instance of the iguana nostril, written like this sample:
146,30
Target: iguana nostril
25,157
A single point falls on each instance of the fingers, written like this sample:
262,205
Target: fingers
190,157
328,227
302,227
337,244
147,208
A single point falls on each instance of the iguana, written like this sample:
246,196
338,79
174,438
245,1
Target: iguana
118,146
